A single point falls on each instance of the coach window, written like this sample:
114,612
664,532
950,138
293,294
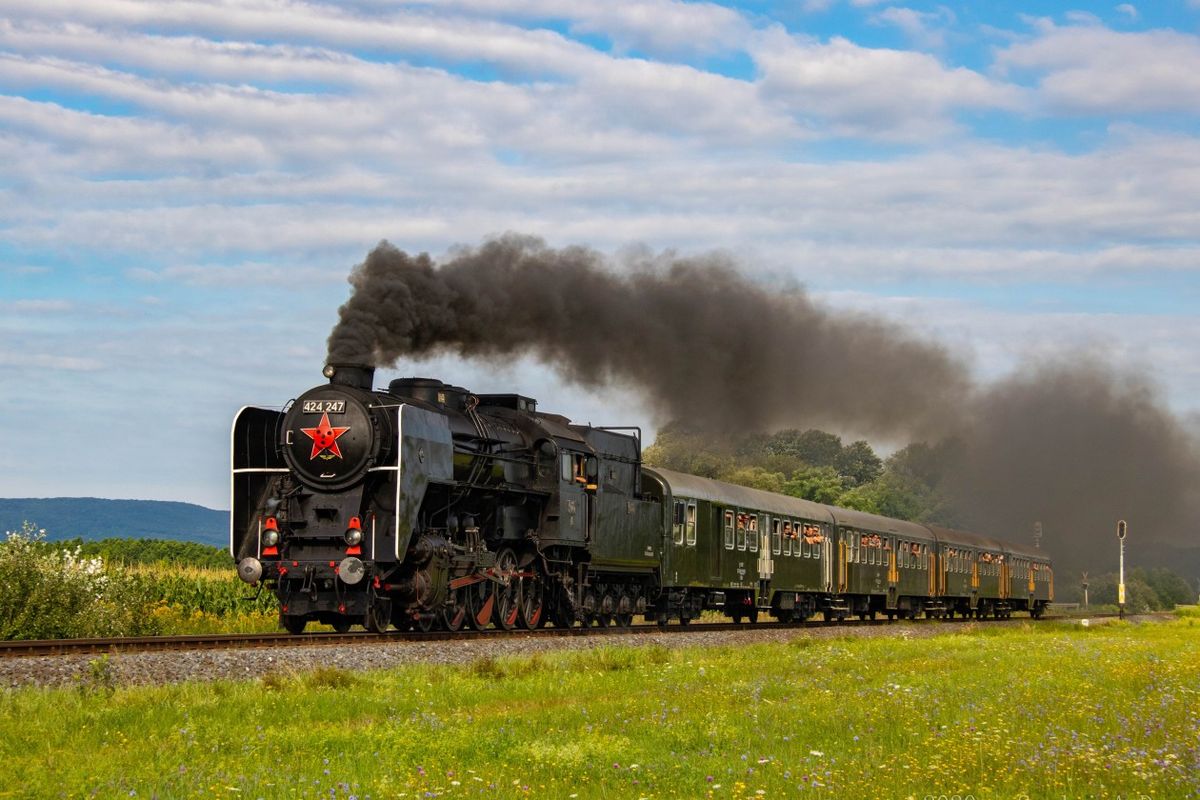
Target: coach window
691,524
752,535
728,530
742,522
776,535
678,522
814,547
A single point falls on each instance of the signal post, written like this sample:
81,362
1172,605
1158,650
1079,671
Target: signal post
1122,527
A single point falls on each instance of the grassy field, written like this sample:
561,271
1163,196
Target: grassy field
1046,710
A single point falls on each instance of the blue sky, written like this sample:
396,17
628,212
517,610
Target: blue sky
185,185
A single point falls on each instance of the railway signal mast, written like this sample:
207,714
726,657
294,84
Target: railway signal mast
1122,527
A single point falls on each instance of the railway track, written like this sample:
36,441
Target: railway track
144,644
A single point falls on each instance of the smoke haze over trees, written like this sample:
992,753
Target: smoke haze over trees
1070,441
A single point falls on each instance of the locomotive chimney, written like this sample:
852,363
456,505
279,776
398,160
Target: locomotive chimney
358,375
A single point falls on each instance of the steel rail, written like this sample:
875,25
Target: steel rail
145,644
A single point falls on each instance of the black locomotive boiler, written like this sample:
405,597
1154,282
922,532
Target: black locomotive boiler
424,505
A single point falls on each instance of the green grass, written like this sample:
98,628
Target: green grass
1042,711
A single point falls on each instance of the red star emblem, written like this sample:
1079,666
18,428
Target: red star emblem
324,437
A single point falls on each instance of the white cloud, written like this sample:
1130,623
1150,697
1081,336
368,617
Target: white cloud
873,92
224,150
925,29
50,361
1128,9
1090,69
655,27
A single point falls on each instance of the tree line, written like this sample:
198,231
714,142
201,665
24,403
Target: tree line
814,465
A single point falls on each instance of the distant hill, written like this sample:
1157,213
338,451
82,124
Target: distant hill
91,518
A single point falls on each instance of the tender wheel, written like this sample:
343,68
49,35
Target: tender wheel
508,593
624,615
293,623
753,616
481,600
604,614
341,625
454,614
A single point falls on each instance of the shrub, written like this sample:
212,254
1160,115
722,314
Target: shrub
49,593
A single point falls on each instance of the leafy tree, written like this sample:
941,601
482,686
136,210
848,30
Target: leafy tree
818,484
814,447
150,551
890,496
680,447
1170,588
756,478
1139,597
858,464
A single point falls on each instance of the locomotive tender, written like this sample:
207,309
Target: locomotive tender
424,505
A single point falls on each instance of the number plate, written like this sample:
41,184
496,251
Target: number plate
324,407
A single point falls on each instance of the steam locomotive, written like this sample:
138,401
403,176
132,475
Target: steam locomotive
424,505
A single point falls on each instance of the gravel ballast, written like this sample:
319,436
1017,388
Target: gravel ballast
251,663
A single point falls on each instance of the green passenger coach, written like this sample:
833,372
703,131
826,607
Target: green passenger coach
746,552
742,551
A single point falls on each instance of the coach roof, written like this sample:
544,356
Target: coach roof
690,486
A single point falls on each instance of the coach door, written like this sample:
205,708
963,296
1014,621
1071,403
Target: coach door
827,560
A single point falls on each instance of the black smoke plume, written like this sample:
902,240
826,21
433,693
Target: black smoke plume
1071,443
700,341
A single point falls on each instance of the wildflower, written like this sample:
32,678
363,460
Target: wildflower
816,753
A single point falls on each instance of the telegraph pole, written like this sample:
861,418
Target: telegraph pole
1122,528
